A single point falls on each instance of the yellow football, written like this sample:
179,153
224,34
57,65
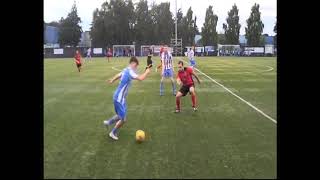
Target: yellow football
140,136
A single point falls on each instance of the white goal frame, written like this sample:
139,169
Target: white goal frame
117,50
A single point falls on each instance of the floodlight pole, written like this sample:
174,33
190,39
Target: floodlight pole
176,28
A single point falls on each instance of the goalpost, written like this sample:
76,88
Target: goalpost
228,49
123,50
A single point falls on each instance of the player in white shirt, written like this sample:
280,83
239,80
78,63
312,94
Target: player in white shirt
191,57
88,54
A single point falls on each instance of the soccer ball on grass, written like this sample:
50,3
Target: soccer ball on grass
140,136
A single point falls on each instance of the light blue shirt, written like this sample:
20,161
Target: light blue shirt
121,92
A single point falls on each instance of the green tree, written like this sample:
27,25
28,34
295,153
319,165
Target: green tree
118,22
232,28
162,22
97,29
180,25
195,26
122,21
143,26
254,27
113,23
70,30
190,27
222,39
208,31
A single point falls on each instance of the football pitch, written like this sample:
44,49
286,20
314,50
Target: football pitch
232,135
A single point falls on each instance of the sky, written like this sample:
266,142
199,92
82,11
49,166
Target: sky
55,9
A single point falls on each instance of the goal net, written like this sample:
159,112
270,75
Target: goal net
124,50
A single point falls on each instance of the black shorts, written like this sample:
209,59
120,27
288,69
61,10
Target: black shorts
78,65
185,89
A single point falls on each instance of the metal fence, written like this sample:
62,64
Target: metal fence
70,52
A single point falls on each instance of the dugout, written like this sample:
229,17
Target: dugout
229,50
200,50
253,51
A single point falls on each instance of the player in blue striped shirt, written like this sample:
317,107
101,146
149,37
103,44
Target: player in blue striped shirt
119,96
167,70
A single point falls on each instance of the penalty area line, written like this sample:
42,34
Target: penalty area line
248,103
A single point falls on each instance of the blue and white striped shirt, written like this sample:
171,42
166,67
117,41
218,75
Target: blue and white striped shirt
125,82
167,60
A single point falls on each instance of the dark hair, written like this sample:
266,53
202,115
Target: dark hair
134,59
180,62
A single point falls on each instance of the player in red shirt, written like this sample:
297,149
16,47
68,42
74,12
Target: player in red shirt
77,58
109,54
184,77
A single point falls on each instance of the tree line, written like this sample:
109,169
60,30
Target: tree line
123,22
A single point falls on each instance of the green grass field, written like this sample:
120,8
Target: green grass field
226,138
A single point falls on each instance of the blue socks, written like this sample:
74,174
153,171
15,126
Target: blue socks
173,88
161,88
114,130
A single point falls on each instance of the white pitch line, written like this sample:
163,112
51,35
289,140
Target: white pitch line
115,69
248,103
270,69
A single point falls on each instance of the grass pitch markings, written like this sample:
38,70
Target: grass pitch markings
116,69
248,103
270,69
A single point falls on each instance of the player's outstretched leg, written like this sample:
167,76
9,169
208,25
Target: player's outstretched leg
178,103
161,86
121,111
112,120
114,131
193,98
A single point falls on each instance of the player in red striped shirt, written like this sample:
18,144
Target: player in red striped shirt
184,77
77,58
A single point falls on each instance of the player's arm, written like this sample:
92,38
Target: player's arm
142,76
179,81
162,65
196,76
172,64
116,77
